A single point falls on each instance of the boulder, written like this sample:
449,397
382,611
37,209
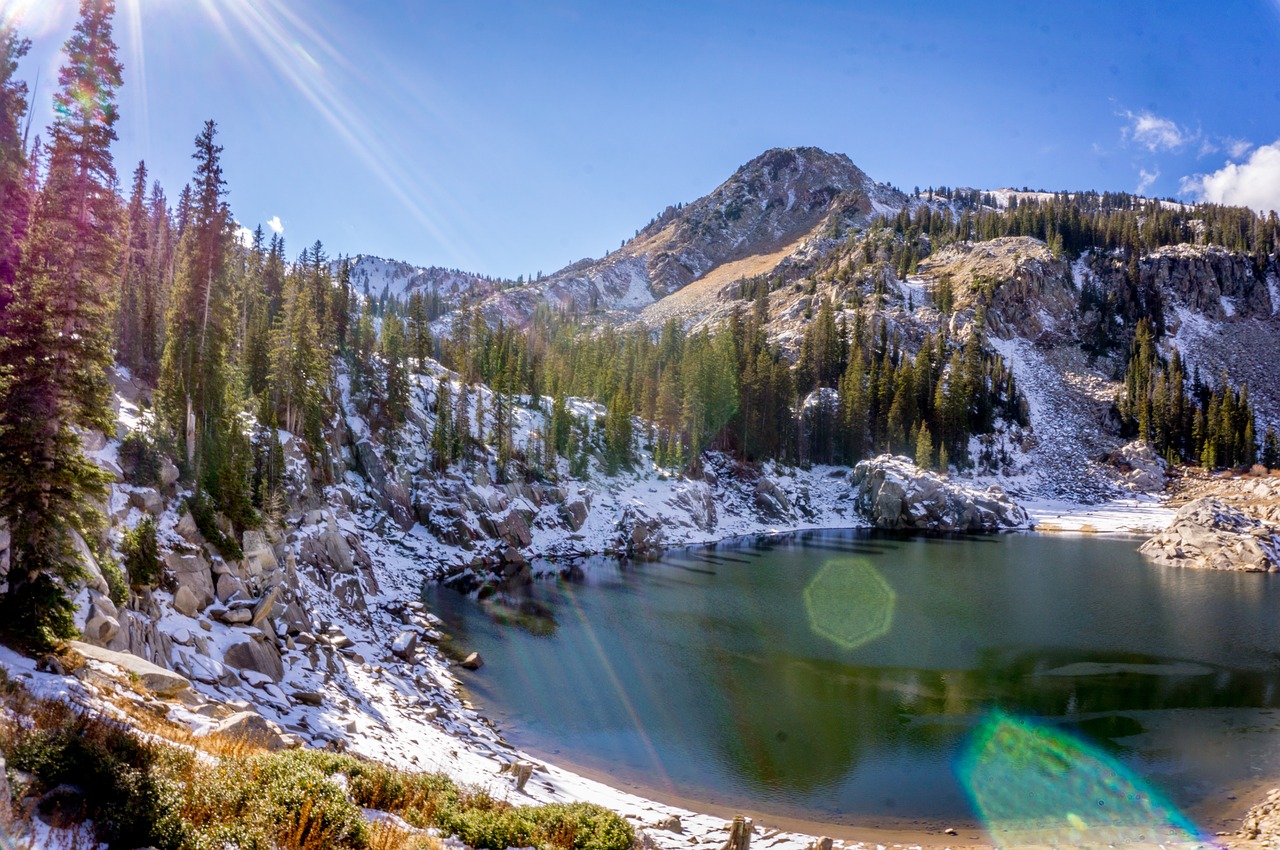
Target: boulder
295,619
254,728
893,493
308,697
236,616
259,557
161,682
575,514
254,652
211,671
1212,534
94,579
192,571
405,644
770,500
472,662
148,500
185,602
101,625
1139,468
168,472
101,629
187,529
262,609
62,807
228,586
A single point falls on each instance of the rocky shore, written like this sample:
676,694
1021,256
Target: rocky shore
893,493
1231,524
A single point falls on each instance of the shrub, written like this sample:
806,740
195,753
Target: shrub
202,511
141,553
129,802
140,459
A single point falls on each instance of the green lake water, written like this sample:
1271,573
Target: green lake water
837,676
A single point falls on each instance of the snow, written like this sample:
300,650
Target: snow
1146,515
1273,287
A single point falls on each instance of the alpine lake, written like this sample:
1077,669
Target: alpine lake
841,677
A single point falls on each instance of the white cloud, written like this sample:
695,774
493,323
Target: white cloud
1254,183
1146,179
244,235
1237,148
1155,133
276,224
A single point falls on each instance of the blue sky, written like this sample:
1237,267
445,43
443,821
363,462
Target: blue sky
510,138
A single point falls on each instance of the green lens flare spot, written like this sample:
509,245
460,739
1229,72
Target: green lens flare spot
849,602
1036,786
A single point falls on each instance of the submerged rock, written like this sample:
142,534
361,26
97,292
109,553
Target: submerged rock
893,493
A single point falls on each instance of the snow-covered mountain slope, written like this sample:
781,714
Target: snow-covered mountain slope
375,277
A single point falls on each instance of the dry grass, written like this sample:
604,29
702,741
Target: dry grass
151,782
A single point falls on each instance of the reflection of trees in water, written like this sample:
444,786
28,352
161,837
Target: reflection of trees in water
803,724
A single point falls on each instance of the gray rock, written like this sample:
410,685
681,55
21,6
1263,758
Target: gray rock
94,579
673,824
193,572
472,661
1212,534
100,628
892,492
254,728
238,616
5,794
228,586
159,681
168,472
187,529
186,602
148,500
255,653
295,619
308,697
405,644
263,608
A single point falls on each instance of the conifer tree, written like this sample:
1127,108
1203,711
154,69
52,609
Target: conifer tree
924,448
55,344
198,394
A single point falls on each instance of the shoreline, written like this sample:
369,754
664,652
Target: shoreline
1121,518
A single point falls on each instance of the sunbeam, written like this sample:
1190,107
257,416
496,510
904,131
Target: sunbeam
322,74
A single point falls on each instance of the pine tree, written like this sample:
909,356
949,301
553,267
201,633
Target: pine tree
55,345
133,275
924,448
1271,449
197,395
15,195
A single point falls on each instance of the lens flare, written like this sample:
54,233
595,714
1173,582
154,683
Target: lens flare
1035,786
849,602
36,18
322,74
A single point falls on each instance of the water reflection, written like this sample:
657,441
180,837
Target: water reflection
789,680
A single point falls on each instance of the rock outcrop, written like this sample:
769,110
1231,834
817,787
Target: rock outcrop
1210,533
893,493
156,679
1138,467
